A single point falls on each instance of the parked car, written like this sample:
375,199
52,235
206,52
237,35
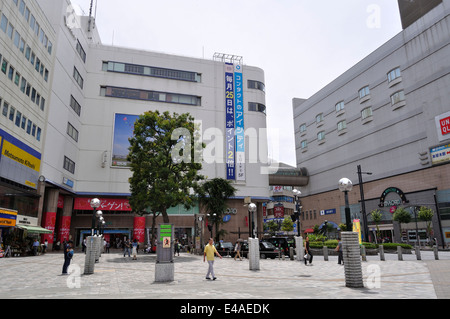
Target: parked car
283,243
266,250
225,248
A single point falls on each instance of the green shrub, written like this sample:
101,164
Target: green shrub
393,246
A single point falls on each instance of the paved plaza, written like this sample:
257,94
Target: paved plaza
121,277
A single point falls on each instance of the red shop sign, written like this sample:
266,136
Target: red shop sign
445,125
278,211
106,204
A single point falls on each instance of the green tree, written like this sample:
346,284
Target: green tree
402,216
287,224
273,227
162,161
426,215
213,195
377,216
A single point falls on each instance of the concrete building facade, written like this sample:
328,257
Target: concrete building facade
387,114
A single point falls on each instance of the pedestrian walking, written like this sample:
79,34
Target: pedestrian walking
35,247
134,245
339,250
68,254
177,248
209,252
45,246
126,247
308,251
83,246
237,250
108,245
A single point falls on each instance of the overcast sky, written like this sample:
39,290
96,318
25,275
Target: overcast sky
302,45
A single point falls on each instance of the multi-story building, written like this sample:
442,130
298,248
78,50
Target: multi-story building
94,94
27,56
388,114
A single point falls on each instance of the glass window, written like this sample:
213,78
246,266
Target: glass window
17,79
16,39
32,22
50,47
22,7
42,103
339,106
341,125
10,30
75,105
69,165
319,118
367,112
18,118
304,144
5,109
38,134
397,97
257,107
393,74
24,122
23,84
4,66
4,23
303,128
364,92
33,130
11,73
29,127
321,136
33,56
12,111
27,14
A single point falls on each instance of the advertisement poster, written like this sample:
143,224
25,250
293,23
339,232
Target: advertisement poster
357,229
123,130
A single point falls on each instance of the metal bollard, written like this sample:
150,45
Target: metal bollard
381,249
399,253
363,253
436,256
291,253
325,253
418,256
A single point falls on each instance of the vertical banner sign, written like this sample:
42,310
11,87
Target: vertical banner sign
139,228
239,123
64,228
49,223
357,229
229,121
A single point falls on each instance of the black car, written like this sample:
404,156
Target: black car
225,248
283,243
266,250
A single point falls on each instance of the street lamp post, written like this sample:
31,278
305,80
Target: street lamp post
298,208
363,204
95,203
211,226
345,185
251,210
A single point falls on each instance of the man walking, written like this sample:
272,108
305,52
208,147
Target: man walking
209,252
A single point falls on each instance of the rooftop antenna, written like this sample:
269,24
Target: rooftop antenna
90,16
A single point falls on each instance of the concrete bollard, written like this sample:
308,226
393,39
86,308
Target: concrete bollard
291,253
325,253
89,263
253,253
381,249
399,253
352,260
363,253
299,248
436,256
418,256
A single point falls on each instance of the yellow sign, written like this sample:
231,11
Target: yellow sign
20,156
8,217
357,229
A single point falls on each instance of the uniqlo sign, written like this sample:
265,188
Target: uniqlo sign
445,125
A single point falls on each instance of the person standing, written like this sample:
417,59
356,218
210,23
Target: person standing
339,250
209,252
35,247
237,250
126,247
134,245
308,251
68,254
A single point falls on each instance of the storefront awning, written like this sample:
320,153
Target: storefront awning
309,230
35,229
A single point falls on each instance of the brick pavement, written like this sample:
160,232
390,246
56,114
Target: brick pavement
119,277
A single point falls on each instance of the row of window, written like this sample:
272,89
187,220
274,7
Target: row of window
34,25
397,100
22,83
143,95
21,120
19,42
151,71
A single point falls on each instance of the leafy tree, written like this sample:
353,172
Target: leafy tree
273,227
402,216
287,224
426,215
162,161
377,216
213,195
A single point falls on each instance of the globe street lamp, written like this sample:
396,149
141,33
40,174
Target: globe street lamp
298,209
251,210
99,215
345,185
95,203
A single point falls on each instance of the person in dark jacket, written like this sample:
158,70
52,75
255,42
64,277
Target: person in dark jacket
68,254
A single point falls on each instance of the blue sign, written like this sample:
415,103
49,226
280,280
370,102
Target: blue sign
229,121
226,218
327,212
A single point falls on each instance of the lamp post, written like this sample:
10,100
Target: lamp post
95,203
211,226
298,209
345,185
251,210
363,204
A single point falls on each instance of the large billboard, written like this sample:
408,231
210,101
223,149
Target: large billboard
123,130
19,162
